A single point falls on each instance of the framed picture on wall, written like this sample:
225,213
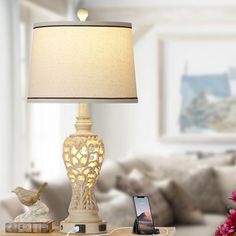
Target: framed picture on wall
197,88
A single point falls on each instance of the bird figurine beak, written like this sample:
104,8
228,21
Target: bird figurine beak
13,191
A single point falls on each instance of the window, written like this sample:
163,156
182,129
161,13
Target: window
43,137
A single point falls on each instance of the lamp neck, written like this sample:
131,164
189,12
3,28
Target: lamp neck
83,122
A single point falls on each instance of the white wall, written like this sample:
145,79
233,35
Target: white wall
6,100
128,129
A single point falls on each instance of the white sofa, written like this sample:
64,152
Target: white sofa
222,164
116,206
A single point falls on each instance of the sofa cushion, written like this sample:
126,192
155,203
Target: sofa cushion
136,184
185,211
212,221
226,177
118,211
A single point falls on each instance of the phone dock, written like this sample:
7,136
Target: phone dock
137,231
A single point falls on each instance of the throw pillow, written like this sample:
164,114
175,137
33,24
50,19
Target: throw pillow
226,177
200,183
57,197
162,213
107,178
182,205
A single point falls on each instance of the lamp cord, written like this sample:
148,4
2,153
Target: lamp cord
75,230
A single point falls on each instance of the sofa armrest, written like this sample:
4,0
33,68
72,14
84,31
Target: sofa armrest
9,208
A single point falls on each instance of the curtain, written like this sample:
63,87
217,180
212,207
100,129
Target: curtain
9,61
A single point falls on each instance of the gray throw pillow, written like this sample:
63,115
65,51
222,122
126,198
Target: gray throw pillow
202,185
182,205
161,210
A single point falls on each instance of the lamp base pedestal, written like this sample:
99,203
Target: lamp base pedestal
84,228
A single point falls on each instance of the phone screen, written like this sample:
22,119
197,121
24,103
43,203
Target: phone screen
143,213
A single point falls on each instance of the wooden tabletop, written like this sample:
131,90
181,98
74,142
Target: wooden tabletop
128,232
118,232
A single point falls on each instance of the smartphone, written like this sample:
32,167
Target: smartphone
143,215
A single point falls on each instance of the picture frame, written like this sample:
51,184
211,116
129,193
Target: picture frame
197,87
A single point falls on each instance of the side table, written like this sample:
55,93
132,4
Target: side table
121,232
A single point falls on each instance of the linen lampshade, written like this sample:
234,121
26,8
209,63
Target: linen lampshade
82,62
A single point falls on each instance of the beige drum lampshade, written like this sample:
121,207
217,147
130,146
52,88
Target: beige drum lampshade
82,62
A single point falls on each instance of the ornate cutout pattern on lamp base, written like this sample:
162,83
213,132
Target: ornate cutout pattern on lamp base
83,156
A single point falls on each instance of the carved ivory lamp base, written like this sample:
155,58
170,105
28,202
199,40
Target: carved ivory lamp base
83,156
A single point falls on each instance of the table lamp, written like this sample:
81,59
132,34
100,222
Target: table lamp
82,62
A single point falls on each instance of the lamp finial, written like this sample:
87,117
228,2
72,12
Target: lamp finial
82,14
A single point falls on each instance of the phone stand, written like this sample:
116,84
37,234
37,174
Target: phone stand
137,231
135,228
